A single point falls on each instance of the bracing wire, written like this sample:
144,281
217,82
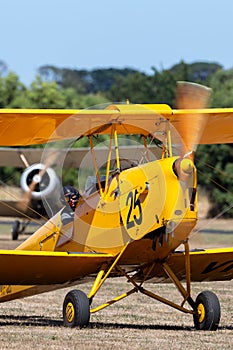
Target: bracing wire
228,207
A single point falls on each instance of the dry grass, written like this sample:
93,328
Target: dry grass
136,322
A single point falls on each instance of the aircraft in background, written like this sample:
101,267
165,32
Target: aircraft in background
130,219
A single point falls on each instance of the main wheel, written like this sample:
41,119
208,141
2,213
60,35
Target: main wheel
208,311
76,309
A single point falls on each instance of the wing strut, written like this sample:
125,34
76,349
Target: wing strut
101,278
95,163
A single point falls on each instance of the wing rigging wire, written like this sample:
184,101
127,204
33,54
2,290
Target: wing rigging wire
20,211
228,207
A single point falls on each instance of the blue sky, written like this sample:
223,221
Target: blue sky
85,34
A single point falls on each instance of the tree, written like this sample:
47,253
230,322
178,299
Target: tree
222,86
3,68
163,87
215,170
78,101
215,161
198,72
45,95
10,90
181,71
83,81
136,87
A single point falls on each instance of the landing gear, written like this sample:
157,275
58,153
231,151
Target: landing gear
15,230
18,228
205,310
76,309
208,311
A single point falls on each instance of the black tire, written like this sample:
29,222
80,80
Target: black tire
208,311
15,230
76,309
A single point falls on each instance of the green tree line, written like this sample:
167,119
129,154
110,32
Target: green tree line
55,87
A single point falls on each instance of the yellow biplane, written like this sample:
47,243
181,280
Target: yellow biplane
132,217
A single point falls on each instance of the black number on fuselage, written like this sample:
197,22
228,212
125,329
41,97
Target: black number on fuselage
133,203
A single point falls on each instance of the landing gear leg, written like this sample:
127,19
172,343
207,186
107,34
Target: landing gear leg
15,230
206,308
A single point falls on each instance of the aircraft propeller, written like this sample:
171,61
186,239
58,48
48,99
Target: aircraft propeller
38,179
190,96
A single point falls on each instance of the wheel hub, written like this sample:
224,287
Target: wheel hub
201,312
70,312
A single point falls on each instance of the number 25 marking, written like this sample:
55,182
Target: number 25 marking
133,203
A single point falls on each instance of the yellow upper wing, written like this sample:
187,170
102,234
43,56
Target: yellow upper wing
26,127
217,124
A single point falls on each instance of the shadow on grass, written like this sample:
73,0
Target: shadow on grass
36,321
41,321
100,325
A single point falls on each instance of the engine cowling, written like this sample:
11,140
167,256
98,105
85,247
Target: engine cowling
45,184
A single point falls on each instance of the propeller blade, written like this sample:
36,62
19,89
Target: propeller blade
26,198
191,96
190,125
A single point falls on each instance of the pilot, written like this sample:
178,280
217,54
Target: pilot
70,197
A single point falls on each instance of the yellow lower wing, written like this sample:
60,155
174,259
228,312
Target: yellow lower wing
24,273
206,265
30,267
